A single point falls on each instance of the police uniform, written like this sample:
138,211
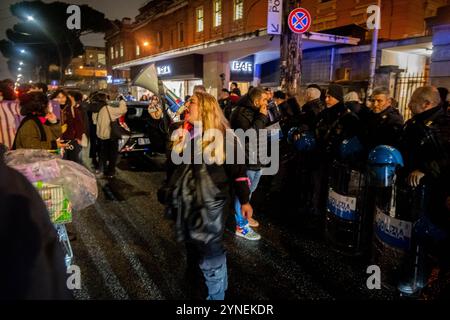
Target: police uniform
384,128
425,146
334,125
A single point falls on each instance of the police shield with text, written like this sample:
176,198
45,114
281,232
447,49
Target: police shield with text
340,150
425,145
411,214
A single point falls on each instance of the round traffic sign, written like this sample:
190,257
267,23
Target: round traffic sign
299,20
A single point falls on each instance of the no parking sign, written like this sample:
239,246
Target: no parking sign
299,20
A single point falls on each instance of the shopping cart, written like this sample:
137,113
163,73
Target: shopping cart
60,210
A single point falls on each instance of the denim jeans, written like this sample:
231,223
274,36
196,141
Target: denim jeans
254,177
216,277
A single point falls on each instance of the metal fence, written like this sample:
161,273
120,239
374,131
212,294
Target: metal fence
405,84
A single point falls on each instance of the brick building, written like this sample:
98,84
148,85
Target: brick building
206,41
87,71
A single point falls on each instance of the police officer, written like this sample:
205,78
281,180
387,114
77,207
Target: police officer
425,146
384,123
335,124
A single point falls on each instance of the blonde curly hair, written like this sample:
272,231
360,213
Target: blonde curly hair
213,124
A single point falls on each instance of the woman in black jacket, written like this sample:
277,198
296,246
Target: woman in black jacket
200,190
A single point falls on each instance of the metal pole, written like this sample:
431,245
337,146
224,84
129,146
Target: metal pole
373,55
332,63
290,52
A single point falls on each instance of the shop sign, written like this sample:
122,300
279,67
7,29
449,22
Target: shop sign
274,16
242,69
164,70
242,66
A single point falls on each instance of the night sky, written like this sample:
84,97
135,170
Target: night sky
113,9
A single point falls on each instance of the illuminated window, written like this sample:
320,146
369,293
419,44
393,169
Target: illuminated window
138,50
217,6
238,9
116,51
199,15
121,49
101,58
112,52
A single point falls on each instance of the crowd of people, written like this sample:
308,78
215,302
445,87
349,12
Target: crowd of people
79,122
331,127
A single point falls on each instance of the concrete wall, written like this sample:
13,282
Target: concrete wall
411,63
213,65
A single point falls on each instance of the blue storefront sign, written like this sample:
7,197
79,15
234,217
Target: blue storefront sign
242,70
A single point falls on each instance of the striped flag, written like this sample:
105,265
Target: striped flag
175,103
9,122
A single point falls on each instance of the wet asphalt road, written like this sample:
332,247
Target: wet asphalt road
126,249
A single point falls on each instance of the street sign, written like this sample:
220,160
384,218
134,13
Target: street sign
274,17
299,20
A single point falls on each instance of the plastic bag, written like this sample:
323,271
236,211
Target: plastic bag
79,184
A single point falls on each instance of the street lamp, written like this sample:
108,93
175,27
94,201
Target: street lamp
22,51
21,63
146,44
30,18
19,69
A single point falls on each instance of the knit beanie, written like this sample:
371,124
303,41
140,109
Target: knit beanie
336,91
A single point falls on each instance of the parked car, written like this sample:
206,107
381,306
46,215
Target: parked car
138,121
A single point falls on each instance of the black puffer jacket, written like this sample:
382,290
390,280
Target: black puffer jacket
247,116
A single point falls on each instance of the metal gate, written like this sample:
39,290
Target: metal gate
405,84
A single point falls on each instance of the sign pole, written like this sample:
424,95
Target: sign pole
373,54
290,52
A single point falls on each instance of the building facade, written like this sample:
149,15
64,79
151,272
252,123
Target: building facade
87,71
215,42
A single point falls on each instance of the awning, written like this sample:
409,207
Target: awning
265,47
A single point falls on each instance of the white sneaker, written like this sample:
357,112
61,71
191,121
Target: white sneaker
247,233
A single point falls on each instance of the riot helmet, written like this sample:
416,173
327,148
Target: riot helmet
383,162
351,149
